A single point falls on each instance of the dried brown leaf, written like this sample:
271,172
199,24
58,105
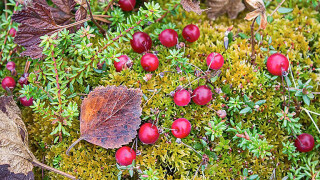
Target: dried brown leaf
220,7
110,116
189,5
81,14
16,160
39,19
259,9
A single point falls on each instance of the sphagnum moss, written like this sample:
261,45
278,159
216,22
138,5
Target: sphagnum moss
297,38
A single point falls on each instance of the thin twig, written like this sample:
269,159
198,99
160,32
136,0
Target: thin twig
6,8
253,50
41,165
154,93
315,124
57,80
102,31
108,6
165,14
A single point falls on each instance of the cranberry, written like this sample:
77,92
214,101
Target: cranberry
11,66
181,128
202,95
8,82
191,33
168,37
149,62
125,155
141,42
304,142
122,64
276,63
215,61
127,5
25,102
12,32
182,97
23,79
148,133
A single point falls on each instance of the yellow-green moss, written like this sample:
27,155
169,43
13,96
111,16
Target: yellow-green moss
174,161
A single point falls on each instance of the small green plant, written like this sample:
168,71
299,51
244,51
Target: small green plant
304,91
234,105
177,59
290,150
251,140
215,129
131,168
56,161
251,105
245,175
289,122
149,174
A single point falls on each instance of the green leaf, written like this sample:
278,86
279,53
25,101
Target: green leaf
284,10
260,102
306,99
245,110
254,176
243,36
258,36
270,19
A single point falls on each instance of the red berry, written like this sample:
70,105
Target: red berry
304,142
181,128
12,32
149,62
23,79
127,5
141,42
182,97
11,66
25,102
202,95
8,82
276,62
123,59
191,33
125,155
148,133
168,37
215,61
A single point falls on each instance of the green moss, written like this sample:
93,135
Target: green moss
299,38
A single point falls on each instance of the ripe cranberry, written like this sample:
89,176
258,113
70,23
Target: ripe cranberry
11,66
141,42
215,61
149,62
168,37
304,142
182,97
148,133
123,60
191,33
127,5
202,95
125,155
12,32
276,62
181,128
23,79
25,102
8,82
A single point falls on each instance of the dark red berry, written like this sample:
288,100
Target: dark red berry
202,95
24,79
181,128
127,5
191,33
26,102
141,42
215,61
12,32
168,37
148,133
11,66
8,82
182,97
122,64
304,142
125,155
149,62
276,63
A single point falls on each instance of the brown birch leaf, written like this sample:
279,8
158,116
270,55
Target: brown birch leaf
190,5
110,116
